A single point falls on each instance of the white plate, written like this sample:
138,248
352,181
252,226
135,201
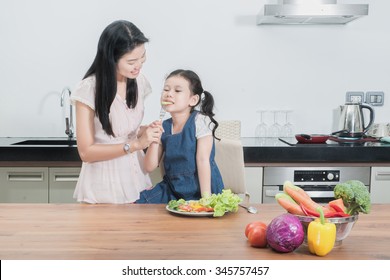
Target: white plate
194,214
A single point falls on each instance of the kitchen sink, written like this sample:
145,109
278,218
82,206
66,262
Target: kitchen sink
47,142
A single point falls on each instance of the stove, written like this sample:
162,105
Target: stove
318,182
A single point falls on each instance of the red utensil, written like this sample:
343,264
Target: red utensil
312,138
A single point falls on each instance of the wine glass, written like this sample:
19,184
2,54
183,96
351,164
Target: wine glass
275,128
261,128
287,128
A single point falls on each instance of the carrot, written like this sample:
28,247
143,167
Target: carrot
304,200
296,188
289,204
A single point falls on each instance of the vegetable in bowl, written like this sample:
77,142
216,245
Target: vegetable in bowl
351,198
355,196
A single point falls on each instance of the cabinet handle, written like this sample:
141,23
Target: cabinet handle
382,176
24,177
272,193
66,178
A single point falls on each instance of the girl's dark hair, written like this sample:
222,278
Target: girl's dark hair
117,39
207,102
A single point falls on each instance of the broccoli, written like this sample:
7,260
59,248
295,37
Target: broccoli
355,196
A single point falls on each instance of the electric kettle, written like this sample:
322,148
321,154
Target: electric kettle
352,123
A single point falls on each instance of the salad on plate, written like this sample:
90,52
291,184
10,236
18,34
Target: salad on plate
213,205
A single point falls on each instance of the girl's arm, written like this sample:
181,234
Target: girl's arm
153,157
154,152
204,146
91,152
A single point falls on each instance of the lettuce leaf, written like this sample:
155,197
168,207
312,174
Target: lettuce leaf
227,201
174,204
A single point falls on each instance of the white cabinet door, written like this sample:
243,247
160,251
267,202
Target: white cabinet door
24,184
380,184
254,183
62,182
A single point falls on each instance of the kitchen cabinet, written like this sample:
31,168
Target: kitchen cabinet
62,182
380,184
38,184
254,183
24,184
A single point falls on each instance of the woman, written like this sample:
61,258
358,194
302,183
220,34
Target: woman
109,109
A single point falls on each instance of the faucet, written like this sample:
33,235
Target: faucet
68,120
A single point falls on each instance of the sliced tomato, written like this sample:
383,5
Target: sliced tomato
185,208
204,209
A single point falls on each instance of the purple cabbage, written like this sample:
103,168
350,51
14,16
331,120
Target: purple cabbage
285,233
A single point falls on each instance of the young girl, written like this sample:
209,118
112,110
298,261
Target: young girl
187,143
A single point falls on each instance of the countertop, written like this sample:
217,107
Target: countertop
288,151
14,154
260,152
142,232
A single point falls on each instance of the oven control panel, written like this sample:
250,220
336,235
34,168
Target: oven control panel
316,175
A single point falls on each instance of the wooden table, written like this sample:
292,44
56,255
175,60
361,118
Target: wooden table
136,232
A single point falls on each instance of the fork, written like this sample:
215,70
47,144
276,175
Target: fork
162,113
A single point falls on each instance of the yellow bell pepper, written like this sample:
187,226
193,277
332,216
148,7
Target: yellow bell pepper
321,235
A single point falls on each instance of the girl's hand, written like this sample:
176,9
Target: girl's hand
152,133
157,123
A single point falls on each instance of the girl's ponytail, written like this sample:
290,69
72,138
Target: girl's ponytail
206,107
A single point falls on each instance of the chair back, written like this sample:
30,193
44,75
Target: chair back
229,156
230,129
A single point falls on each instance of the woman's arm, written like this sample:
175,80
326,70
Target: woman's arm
204,146
91,152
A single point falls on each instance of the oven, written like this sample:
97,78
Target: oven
318,182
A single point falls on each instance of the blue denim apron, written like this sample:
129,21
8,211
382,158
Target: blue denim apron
181,175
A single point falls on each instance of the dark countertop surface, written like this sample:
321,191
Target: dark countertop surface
287,150
256,151
12,150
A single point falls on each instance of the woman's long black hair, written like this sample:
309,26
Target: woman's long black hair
206,102
117,39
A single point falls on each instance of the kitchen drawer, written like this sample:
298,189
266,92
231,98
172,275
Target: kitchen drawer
254,183
380,184
62,182
24,184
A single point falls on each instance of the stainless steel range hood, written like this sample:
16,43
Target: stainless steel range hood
310,12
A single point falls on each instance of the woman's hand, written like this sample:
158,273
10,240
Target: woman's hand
150,134
141,130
